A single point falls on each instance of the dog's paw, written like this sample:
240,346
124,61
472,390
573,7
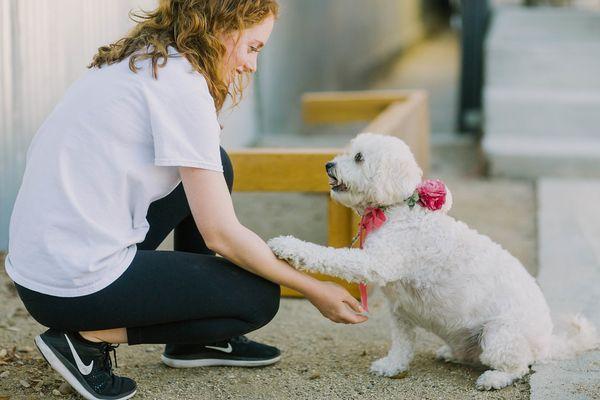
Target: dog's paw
287,248
444,353
493,379
388,367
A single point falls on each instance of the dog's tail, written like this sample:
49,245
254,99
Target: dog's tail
581,335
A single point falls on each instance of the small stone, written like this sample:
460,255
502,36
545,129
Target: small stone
56,392
400,375
4,374
65,388
24,383
3,353
364,353
20,312
316,375
25,349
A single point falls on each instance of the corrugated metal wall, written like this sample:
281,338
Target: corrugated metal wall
46,45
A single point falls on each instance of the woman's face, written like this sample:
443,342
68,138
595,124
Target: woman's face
242,56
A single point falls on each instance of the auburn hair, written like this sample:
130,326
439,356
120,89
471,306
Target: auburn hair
191,27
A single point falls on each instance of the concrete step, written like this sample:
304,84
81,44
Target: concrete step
569,256
532,157
566,114
544,48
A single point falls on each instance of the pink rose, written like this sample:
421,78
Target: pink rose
432,194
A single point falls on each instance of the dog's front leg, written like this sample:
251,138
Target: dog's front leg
402,349
352,265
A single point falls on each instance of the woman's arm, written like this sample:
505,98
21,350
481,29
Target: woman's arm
213,212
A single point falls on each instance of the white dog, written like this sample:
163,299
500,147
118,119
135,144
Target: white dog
435,272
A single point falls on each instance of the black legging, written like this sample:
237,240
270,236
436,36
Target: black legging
184,296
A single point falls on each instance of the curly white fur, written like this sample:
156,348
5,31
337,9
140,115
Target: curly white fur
436,273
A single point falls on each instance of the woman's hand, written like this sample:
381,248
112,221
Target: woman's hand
335,303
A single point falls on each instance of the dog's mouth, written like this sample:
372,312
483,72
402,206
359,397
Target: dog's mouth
336,185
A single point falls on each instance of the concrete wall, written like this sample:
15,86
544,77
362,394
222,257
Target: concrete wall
328,45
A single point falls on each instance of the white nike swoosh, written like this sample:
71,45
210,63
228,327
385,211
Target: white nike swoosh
227,349
84,369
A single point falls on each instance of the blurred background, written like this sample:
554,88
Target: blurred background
522,75
517,78
514,130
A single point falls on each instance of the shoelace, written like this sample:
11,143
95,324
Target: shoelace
107,349
240,339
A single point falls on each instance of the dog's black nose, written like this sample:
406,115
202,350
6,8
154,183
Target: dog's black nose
329,165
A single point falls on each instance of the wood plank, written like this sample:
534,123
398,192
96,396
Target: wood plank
408,120
281,170
335,107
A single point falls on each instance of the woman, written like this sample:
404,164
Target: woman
129,154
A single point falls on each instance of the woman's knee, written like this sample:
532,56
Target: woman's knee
227,169
266,304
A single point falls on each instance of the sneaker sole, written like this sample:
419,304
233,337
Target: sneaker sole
59,367
214,362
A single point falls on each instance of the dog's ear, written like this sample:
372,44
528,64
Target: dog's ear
397,188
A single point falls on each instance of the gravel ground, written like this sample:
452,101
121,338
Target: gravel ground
321,360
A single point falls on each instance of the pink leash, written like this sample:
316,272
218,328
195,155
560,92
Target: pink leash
372,219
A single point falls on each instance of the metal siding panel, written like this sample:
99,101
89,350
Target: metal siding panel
46,45
7,138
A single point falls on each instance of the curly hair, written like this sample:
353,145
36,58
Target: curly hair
192,28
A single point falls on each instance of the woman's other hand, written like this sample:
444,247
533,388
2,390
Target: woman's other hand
335,303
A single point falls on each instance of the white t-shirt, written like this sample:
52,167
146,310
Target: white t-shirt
110,147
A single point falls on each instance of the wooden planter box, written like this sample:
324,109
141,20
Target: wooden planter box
400,113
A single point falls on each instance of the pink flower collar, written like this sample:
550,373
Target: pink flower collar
430,194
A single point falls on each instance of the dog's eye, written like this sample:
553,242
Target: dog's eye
358,157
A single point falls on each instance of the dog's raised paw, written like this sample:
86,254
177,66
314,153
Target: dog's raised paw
281,245
387,367
287,248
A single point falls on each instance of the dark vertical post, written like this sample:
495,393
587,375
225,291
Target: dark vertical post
474,17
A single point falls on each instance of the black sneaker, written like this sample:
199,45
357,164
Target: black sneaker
239,351
86,366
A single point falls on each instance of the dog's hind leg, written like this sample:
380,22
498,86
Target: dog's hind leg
401,351
507,352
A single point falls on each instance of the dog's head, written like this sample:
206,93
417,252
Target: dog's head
375,170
